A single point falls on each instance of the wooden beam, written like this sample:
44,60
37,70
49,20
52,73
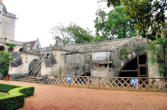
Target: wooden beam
129,71
138,67
143,65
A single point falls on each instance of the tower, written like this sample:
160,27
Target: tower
1,7
7,23
1,2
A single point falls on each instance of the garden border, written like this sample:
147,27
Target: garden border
16,96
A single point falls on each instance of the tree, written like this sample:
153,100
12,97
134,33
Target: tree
148,16
75,34
115,24
100,25
78,34
4,63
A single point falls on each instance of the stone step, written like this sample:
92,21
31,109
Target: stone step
30,79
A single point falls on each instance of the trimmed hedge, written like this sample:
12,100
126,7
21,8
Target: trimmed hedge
16,96
6,87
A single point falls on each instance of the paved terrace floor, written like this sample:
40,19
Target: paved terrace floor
50,97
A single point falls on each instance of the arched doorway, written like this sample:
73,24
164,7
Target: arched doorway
32,66
2,48
136,67
21,49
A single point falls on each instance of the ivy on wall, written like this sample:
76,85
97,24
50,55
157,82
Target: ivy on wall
123,54
10,45
140,49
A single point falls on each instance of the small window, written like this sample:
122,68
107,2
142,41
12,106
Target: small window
105,65
21,49
110,65
10,49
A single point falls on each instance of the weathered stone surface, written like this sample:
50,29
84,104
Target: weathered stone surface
101,53
82,58
50,61
77,63
17,60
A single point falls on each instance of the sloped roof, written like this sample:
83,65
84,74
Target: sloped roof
31,43
6,13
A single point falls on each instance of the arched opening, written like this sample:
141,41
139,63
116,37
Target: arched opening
136,67
32,66
10,49
21,49
2,48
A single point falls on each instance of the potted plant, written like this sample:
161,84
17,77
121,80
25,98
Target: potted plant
7,78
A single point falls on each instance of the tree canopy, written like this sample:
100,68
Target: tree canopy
75,34
114,24
148,16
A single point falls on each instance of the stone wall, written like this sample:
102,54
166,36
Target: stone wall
57,68
7,27
78,63
7,23
88,58
110,45
24,67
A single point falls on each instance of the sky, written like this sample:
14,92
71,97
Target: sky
37,17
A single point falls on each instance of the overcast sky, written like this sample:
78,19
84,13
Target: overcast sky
37,17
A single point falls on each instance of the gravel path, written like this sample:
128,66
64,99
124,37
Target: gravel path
50,97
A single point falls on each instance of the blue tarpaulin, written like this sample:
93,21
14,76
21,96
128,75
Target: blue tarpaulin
133,82
69,79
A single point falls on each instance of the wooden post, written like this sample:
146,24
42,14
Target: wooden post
89,82
108,69
138,67
99,82
137,84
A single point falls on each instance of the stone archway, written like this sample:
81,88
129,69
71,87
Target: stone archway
31,66
2,48
135,67
21,49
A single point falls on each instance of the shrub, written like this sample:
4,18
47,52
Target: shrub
27,91
4,63
6,87
16,96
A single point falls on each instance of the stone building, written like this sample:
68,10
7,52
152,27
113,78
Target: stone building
101,59
7,23
98,59
122,57
7,32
